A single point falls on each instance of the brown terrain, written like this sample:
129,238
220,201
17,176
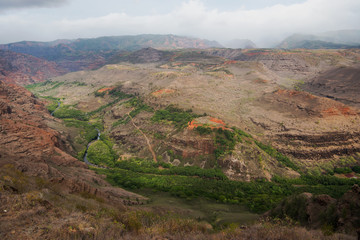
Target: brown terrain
25,69
32,147
274,96
341,84
258,92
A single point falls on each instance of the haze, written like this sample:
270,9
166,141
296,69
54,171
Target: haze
264,22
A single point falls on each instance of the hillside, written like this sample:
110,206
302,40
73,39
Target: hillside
46,193
241,43
24,69
203,141
30,62
54,51
329,40
248,93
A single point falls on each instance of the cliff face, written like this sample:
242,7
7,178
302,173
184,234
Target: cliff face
37,150
25,69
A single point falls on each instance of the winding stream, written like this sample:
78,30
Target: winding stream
87,148
58,105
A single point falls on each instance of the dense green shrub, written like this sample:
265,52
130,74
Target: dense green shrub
67,111
342,170
142,166
203,130
52,106
100,154
178,117
258,196
88,131
356,169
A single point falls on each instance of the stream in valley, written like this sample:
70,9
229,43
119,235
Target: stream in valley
58,105
87,148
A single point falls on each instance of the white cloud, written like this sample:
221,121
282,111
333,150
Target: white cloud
264,26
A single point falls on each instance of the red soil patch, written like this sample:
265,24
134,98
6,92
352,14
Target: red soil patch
350,175
105,89
292,93
339,110
215,120
211,122
162,92
230,62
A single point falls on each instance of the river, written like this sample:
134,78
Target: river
87,148
58,105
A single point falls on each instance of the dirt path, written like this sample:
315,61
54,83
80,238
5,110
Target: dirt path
146,138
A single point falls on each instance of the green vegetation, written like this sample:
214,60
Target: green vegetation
281,158
322,184
178,117
141,166
343,170
137,106
88,131
224,139
203,130
257,196
36,85
68,111
120,97
99,94
118,93
100,154
53,86
192,182
52,106
356,169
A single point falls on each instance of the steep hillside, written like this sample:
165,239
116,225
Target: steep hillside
24,69
32,147
341,84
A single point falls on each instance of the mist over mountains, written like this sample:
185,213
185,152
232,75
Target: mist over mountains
327,40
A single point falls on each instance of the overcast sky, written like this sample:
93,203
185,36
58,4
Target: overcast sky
263,21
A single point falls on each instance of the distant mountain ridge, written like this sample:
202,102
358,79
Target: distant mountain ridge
241,43
329,40
51,50
62,56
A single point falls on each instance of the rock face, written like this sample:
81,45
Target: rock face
37,150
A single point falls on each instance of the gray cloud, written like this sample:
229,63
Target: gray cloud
265,26
10,4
